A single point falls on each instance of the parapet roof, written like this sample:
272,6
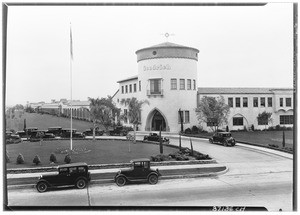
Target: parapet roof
237,90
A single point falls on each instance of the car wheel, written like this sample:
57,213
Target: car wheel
121,181
153,179
233,143
80,183
42,187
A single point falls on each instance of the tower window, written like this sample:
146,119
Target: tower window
182,84
173,84
189,84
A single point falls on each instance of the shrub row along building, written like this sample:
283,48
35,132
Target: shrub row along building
167,78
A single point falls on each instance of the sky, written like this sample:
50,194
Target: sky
249,46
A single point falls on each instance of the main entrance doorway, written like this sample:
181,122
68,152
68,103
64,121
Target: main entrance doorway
155,120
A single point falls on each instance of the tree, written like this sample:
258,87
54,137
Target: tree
264,118
36,160
20,159
134,112
213,111
67,159
102,111
53,158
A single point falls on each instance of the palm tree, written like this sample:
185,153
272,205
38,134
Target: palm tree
134,111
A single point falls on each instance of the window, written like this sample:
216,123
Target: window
237,102
238,121
288,102
189,84
173,84
270,102
286,119
72,169
126,89
194,83
155,86
134,88
182,84
140,86
186,116
245,102
122,89
281,102
263,102
81,169
230,102
255,102
130,88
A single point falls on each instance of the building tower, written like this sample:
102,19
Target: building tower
167,76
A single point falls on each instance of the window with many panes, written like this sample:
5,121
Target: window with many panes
263,102
286,119
189,84
230,102
270,102
134,88
237,102
255,101
245,102
288,102
173,84
281,102
238,121
155,86
182,84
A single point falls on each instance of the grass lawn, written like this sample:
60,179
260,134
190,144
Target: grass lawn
44,121
102,152
263,138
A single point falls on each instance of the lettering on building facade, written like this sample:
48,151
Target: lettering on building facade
157,67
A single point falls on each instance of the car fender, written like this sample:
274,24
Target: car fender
152,173
81,177
119,175
43,180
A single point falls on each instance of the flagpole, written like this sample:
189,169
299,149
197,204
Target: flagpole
71,58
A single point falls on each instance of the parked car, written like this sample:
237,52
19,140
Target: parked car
37,135
30,129
55,130
11,138
89,132
48,136
139,171
75,174
155,137
22,134
120,131
66,133
224,138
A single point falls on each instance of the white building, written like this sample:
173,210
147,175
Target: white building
167,75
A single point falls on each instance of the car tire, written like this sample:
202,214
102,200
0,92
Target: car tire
42,187
233,143
80,183
121,181
153,179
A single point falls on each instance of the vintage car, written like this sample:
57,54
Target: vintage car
55,130
119,131
224,138
37,135
11,138
75,174
155,137
66,133
89,132
139,171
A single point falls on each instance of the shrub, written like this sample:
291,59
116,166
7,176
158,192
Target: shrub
53,158
273,145
67,159
188,131
195,130
36,160
202,157
159,158
20,159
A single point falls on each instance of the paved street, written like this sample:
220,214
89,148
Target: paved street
255,178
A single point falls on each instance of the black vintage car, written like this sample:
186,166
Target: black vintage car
66,133
120,131
75,174
89,132
139,171
55,130
224,138
155,137
37,135
12,138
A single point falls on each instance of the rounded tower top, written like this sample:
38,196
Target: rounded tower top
167,50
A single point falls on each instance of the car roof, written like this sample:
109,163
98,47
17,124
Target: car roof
72,165
139,160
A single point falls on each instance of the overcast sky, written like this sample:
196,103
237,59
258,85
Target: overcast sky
239,46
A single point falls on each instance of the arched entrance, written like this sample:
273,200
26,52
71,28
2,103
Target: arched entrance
155,120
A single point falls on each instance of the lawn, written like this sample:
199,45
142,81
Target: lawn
44,121
101,151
